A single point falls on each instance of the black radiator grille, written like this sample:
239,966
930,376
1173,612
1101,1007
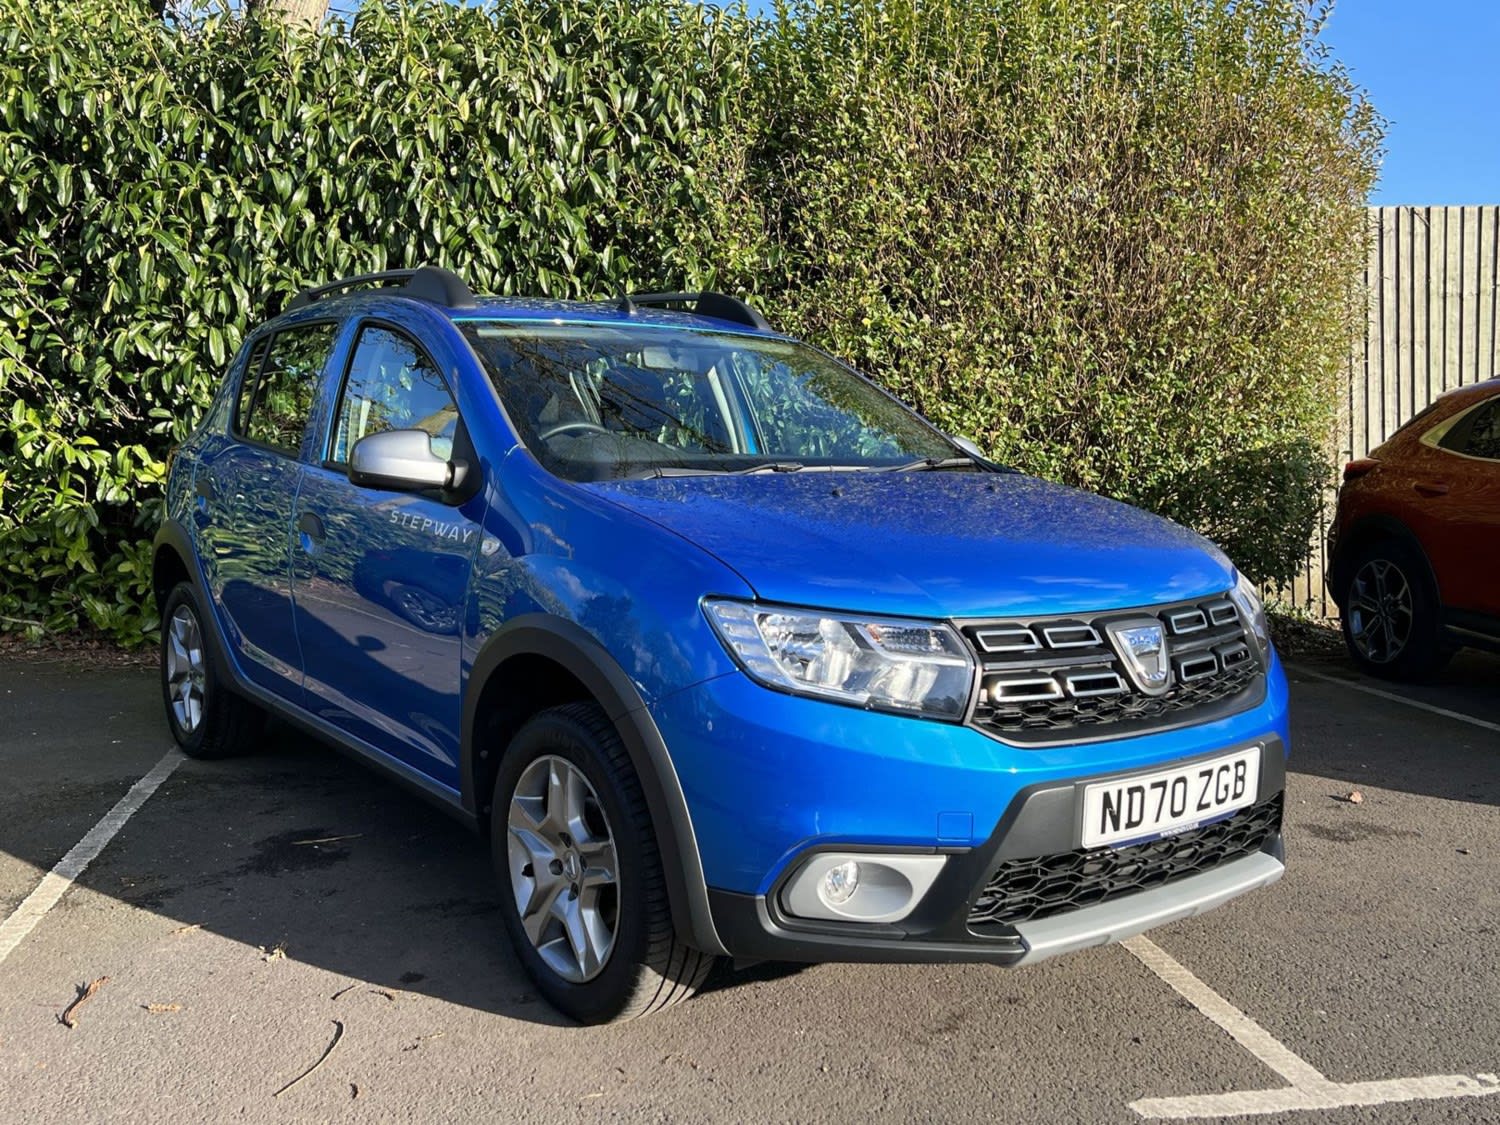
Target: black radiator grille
1054,679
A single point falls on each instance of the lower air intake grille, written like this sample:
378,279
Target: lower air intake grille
1022,890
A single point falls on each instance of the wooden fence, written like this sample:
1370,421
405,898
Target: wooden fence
1433,280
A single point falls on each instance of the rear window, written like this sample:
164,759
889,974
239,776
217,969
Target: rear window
1478,435
1484,441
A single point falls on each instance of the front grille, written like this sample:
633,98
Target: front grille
1051,679
1022,890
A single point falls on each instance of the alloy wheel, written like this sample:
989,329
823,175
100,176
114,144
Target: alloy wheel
1380,611
563,868
187,673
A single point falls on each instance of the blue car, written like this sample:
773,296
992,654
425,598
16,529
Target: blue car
726,652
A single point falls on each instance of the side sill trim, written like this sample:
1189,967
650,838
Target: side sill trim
423,786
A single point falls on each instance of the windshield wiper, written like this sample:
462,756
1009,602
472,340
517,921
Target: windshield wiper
770,467
935,463
656,471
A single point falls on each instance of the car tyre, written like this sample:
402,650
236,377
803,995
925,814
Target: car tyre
1391,614
208,720
584,896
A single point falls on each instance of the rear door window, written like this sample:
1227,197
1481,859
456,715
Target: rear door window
277,409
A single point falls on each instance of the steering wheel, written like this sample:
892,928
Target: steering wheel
582,424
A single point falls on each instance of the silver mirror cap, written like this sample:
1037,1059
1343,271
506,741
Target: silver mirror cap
968,447
400,459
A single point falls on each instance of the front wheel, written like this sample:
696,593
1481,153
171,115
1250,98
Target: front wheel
585,901
1391,614
207,719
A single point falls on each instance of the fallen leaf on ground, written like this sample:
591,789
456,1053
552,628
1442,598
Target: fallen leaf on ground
277,953
69,1018
159,1009
187,929
1355,797
346,988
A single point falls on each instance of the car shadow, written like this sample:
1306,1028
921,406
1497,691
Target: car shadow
293,851
297,851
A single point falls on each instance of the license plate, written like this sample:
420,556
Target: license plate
1169,801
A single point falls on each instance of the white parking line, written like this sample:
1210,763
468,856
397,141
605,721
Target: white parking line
1394,698
1309,1088
57,881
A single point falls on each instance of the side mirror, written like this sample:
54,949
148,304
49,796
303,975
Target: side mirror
402,460
968,447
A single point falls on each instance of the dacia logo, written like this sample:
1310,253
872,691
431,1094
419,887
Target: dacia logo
1141,644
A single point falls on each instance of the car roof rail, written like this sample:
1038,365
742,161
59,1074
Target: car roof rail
426,283
721,306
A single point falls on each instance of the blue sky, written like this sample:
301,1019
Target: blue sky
1432,69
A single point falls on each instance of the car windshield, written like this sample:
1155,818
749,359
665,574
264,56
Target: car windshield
596,402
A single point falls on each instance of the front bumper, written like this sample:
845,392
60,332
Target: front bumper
942,928
746,926
771,780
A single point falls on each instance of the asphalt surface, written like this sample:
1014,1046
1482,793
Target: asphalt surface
264,903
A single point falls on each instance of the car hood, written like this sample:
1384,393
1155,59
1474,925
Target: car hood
930,544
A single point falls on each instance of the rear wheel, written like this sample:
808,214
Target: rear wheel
207,719
580,873
1391,615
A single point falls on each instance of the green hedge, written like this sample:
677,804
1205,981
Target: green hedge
1112,241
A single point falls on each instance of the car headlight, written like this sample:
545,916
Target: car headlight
916,667
1253,610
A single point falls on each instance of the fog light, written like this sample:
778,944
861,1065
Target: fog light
859,886
839,883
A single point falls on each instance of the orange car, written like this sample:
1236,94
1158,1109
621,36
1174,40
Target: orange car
1415,545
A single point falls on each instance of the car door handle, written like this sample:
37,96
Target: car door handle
310,525
1431,488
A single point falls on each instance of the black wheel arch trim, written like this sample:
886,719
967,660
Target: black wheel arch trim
173,536
573,648
1368,530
